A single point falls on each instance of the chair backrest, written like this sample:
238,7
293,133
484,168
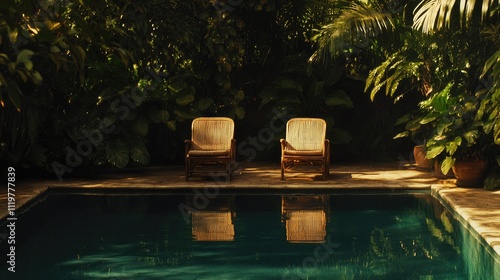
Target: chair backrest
212,225
212,133
306,226
305,134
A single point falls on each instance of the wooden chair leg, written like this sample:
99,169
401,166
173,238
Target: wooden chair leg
187,170
228,170
282,170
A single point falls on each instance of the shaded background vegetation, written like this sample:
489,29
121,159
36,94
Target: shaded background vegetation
116,83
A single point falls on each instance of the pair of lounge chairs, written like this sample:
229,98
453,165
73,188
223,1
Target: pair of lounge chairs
212,142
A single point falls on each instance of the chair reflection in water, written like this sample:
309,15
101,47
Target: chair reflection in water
305,218
215,221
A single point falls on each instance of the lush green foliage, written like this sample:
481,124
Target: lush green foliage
105,83
453,63
116,82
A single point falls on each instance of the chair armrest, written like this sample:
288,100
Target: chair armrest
188,144
283,145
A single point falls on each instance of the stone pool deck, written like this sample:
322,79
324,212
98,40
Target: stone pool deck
479,208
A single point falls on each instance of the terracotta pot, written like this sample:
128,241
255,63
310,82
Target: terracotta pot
439,174
420,160
470,173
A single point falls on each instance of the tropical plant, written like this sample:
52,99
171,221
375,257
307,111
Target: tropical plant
100,63
302,89
354,23
456,134
434,15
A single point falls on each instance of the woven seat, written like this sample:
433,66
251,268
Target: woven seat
305,143
211,143
303,153
209,153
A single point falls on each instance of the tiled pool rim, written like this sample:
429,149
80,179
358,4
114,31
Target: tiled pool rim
476,208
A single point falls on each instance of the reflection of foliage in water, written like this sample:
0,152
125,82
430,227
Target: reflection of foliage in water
389,251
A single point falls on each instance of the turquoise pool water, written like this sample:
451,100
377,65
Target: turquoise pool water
241,236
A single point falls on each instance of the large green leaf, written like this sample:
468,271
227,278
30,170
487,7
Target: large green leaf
339,98
429,118
287,83
451,147
446,165
117,154
181,114
158,116
186,98
204,103
443,124
140,126
139,153
434,151
317,88
24,55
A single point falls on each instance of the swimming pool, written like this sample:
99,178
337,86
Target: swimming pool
246,236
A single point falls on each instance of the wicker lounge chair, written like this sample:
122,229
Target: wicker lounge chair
211,143
305,143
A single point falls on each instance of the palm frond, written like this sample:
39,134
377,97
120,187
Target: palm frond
390,73
436,14
358,21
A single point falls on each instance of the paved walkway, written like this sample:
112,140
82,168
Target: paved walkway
477,207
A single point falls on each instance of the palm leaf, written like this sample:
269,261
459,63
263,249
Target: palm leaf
356,21
436,14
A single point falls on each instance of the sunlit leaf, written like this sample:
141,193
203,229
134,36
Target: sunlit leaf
24,55
12,34
434,151
446,165
402,134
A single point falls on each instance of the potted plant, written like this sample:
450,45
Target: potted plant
418,132
458,137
